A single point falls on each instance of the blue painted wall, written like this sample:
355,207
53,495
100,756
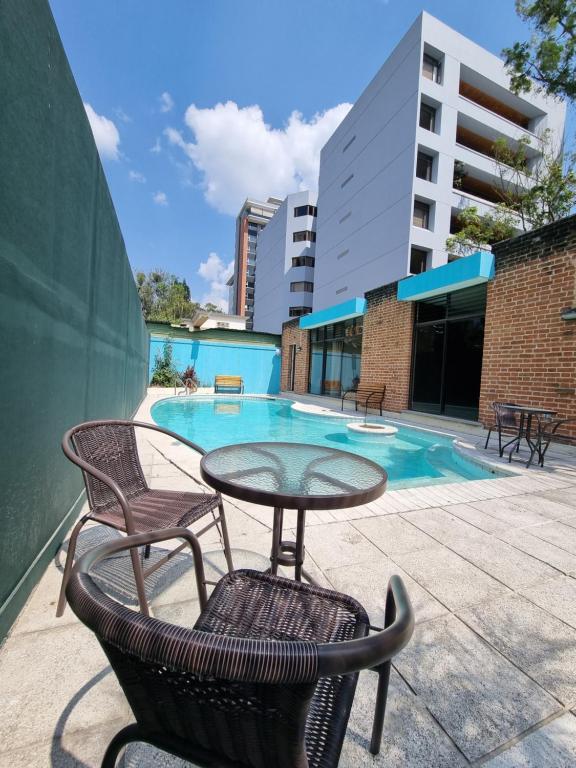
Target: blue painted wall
259,366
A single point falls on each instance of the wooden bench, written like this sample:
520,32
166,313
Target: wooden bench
366,396
228,382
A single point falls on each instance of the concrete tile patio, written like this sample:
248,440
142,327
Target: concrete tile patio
488,678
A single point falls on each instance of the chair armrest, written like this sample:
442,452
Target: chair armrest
93,556
175,435
373,650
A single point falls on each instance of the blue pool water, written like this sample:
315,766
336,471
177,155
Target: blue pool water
411,457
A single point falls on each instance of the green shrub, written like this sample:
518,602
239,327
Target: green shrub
164,372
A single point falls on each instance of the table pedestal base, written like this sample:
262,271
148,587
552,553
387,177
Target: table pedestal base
289,553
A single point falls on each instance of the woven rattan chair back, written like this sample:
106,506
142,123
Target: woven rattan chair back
505,418
195,691
112,449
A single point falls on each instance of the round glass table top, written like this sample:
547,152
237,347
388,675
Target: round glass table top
293,475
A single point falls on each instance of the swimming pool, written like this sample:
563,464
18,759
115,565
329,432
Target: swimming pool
411,457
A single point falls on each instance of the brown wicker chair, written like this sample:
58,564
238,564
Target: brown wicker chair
118,495
265,679
506,422
553,430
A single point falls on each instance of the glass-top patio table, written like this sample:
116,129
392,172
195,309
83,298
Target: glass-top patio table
527,413
292,476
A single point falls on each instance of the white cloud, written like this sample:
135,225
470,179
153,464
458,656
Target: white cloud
160,198
216,272
157,146
121,115
137,176
240,156
105,133
166,102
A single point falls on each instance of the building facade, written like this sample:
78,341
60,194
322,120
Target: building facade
415,149
497,326
253,217
285,266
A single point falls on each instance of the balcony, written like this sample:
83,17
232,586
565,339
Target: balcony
494,105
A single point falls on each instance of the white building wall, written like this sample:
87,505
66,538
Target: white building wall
367,180
274,271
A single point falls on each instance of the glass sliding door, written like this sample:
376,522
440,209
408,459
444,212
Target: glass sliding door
335,359
447,353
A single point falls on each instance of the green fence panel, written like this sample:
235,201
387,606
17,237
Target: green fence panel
73,345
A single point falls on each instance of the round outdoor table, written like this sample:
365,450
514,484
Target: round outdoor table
527,412
292,476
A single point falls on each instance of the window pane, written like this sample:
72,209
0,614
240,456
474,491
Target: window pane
418,261
431,68
420,217
424,166
427,117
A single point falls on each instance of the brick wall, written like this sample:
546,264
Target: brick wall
529,351
387,346
291,334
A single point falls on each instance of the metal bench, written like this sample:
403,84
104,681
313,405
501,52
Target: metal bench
366,396
228,382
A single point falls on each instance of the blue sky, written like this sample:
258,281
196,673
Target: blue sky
191,102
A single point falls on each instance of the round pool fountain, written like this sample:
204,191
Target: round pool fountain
370,431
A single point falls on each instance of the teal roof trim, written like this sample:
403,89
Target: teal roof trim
335,314
463,273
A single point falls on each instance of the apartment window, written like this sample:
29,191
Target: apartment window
424,164
305,210
431,68
302,285
427,117
304,235
303,261
299,311
421,215
418,261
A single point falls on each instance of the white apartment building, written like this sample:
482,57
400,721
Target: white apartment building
387,200
285,266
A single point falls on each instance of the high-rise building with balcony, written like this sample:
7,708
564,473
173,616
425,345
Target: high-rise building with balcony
285,266
253,217
415,149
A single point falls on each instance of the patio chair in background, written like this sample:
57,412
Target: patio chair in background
506,422
118,495
265,679
550,430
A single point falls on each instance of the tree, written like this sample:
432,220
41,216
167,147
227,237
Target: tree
539,190
164,372
209,307
549,57
478,231
164,297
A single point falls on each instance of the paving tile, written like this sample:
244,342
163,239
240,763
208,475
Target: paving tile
368,585
503,561
552,746
75,749
508,513
541,645
561,495
339,543
558,597
411,738
392,534
55,679
543,550
452,580
478,697
444,526
470,513
563,536
550,509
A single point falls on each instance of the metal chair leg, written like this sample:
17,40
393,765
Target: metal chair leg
487,439
122,738
68,565
380,709
139,579
225,539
